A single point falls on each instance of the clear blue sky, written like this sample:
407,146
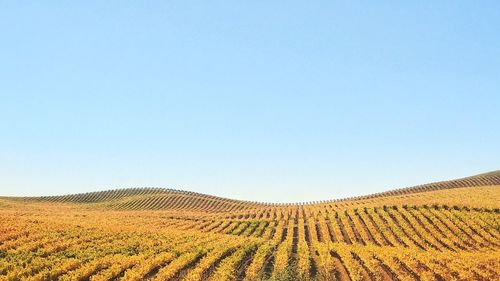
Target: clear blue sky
257,100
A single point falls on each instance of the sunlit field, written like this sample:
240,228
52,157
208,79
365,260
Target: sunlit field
444,231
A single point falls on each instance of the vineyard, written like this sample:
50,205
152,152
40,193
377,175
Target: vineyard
441,231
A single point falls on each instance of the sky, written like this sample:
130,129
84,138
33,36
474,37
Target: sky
276,101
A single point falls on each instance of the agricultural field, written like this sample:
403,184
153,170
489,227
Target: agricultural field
441,231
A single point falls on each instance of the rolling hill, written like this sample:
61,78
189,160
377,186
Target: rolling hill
439,231
163,198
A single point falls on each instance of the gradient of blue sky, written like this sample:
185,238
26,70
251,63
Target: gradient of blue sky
257,100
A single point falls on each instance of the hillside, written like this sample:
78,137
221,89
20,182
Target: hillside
441,231
172,199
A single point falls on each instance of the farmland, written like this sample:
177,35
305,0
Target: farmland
440,231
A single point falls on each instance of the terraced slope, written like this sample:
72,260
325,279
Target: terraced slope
445,231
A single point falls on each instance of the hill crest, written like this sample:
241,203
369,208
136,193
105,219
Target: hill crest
161,198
